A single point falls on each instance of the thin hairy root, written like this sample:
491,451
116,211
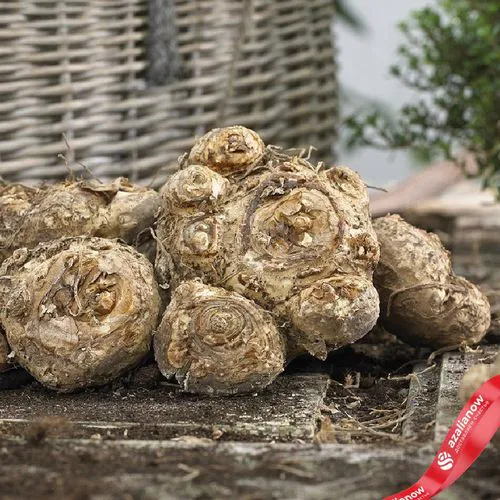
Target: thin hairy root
443,350
413,376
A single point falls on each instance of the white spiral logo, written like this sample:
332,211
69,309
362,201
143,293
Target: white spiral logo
445,461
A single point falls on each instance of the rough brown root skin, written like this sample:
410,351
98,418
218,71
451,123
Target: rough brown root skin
131,210
217,342
476,376
277,230
29,216
422,301
5,363
333,313
228,150
78,312
193,186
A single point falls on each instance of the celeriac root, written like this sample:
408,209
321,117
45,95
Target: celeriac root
294,238
78,312
29,216
217,342
422,301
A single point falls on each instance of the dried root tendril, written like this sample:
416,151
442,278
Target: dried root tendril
423,286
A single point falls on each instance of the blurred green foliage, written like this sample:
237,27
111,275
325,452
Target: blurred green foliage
451,58
347,16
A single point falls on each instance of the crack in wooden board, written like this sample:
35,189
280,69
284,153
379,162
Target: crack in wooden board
422,403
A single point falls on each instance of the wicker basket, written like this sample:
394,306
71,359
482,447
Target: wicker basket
81,73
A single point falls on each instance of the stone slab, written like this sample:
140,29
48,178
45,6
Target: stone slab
287,410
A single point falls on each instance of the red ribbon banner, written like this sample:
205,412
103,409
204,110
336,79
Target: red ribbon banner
468,437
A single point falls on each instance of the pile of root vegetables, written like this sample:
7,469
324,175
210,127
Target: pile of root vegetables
260,257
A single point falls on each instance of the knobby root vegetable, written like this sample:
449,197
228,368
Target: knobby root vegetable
476,376
5,363
217,342
11,376
332,311
422,301
78,312
29,216
294,238
227,150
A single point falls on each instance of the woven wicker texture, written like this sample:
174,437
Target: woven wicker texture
80,68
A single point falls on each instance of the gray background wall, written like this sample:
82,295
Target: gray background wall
364,68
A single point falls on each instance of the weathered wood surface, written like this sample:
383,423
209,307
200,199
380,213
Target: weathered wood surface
422,402
170,470
287,411
101,461
453,368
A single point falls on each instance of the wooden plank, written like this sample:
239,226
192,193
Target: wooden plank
287,410
422,403
181,470
453,368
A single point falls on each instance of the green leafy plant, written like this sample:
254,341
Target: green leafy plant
451,58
